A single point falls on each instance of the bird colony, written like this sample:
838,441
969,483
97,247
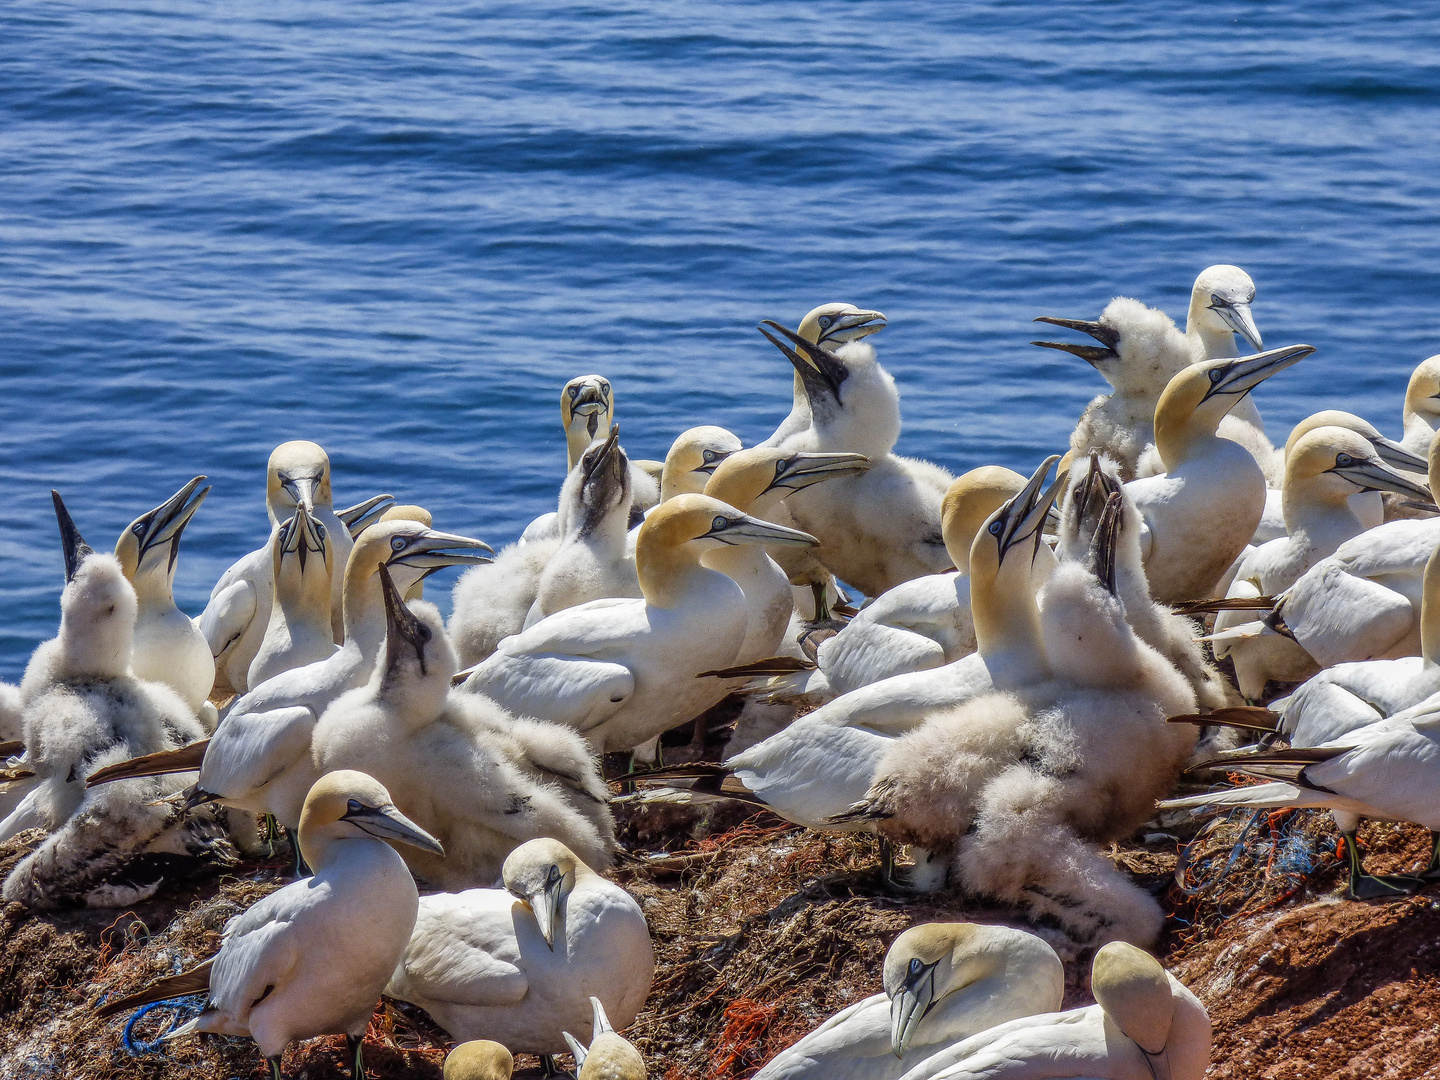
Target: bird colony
996,673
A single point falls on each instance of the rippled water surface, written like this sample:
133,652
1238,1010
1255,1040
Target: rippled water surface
397,229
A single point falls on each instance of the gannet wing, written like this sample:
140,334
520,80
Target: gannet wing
463,950
578,691
811,771
250,749
1397,547
1337,616
227,615
258,955
865,653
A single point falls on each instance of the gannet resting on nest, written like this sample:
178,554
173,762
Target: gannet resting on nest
519,964
169,647
1421,414
479,1059
1146,1025
881,527
1323,470
943,982
456,779
1015,787
299,628
1202,511
622,671
608,1057
84,709
259,757
312,958
1387,771
235,619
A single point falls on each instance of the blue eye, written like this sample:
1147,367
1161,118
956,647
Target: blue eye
719,523
397,544
1217,374
995,527
825,321
353,806
320,530
1343,460
916,966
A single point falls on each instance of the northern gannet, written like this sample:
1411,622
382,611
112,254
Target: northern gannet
608,1057
479,1059
408,512
622,671
169,648
693,457
1145,1025
1201,512
587,410
84,709
1421,414
455,778
299,628
1219,309
519,964
1324,468
881,527
312,958
831,325
943,982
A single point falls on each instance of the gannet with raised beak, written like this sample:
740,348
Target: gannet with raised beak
456,779
519,964
1421,413
169,647
312,958
830,325
1145,1025
1201,512
622,671
608,1057
943,982
299,629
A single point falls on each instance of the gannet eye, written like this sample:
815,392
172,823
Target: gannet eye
1217,375
719,523
320,530
996,527
825,321
781,466
139,528
397,543
708,456
574,392
1343,460
353,806
1218,301
916,966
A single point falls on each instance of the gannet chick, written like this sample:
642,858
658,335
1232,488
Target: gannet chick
1202,511
1146,1025
84,709
1323,469
312,958
622,671
520,964
235,619
169,647
608,1057
456,781
831,325
299,628
1421,414
881,527
587,410
944,982
479,1059
490,603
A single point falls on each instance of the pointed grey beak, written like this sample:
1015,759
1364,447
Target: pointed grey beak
388,823
798,471
402,629
1392,453
603,454
912,1004
168,520
1238,318
744,529
1377,476
302,490
820,370
427,551
546,906
1092,354
852,326
1024,515
1106,542
356,518
71,542
303,535
1239,377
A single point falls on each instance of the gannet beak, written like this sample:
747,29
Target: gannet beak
576,1049
402,628
853,325
388,823
1237,316
303,534
1377,476
820,369
168,520
1239,377
744,529
426,551
71,542
1024,515
302,489
1107,541
546,906
798,471
605,452
912,1004
1392,453
1093,354
356,518
599,1022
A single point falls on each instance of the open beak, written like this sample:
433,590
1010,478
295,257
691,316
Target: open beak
1239,319
402,629
1107,541
603,454
912,1004
388,823
1392,453
356,518
1093,354
1239,377
1375,475
820,370
167,521
71,542
430,551
745,529
1023,516
853,325
799,471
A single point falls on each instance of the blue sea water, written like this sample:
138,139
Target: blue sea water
398,228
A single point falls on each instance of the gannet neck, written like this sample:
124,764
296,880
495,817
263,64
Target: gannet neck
1219,308
693,456
298,472
1430,609
667,560
1007,619
1314,496
150,545
587,409
971,499
97,620
345,806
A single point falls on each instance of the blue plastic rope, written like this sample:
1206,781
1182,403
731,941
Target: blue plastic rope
185,1008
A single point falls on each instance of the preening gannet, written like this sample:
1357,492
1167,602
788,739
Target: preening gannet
1421,414
1201,512
881,527
299,629
312,958
479,1059
169,648
1146,1025
831,325
83,709
454,777
608,1057
1323,470
623,671
520,964
943,982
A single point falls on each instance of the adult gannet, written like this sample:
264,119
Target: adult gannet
259,757
1145,1025
832,325
693,457
83,709
1421,414
1200,513
479,1059
169,647
622,671
608,1057
881,527
520,964
455,779
312,958
1324,468
407,512
587,410
943,982
299,629
235,619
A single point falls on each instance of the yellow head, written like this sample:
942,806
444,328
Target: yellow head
838,323
1197,398
693,456
746,475
150,544
972,498
345,805
587,408
1133,989
299,472
1422,396
479,1059
542,873
1329,464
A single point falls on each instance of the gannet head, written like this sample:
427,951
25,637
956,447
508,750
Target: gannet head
408,512
706,523
1133,989
299,472
747,475
302,557
602,482
1389,450
1220,304
970,500
692,457
419,659
1139,350
479,1059
1422,395
1332,463
609,1056
587,409
1197,398
411,551
541,873
346,804
150,544
1016,526
839,323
